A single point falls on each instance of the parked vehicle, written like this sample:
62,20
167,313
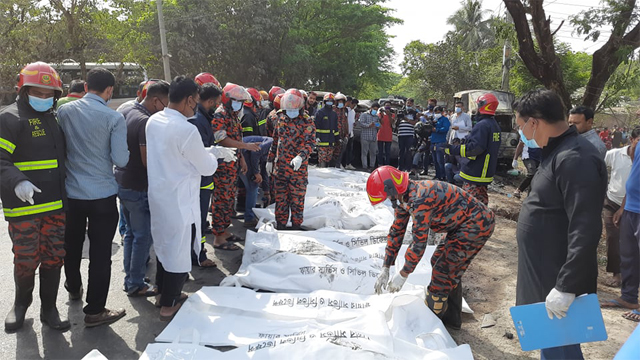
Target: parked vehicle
505,117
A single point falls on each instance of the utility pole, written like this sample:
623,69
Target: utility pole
506,59
163,43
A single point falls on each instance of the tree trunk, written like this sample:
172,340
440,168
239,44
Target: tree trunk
545,64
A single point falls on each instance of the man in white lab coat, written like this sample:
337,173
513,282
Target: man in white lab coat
176,160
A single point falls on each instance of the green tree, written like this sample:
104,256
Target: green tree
538,50
471,27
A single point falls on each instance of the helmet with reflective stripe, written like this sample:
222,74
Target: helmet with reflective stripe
340,96
292,100
205,78
143,93
277,100
386,181
328,97
255,97
42,75
234,92
275,90
487,104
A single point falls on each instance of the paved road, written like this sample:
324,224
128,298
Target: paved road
125,339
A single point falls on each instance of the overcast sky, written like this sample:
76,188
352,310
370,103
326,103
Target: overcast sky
427,21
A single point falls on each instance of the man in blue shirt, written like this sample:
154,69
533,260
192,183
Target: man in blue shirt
439,141
628,219
96,141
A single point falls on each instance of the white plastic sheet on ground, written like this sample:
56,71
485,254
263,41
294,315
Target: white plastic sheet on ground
336,199
310,326
309,260
325,306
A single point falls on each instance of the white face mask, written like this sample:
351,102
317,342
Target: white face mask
264,103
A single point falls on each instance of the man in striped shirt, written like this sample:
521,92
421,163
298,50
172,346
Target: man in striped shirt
369,123
405,139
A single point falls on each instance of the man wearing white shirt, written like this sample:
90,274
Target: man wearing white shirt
176,160
619,161
460,123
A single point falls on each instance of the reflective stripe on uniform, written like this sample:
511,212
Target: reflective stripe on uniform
37,165
336,133
203,240
463,150
208,187
486,166
33,209
476,179
323,144
262,122
323,131
7,145
248,128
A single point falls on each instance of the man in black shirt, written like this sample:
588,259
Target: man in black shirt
132,191
559,224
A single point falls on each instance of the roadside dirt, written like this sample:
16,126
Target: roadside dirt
490,282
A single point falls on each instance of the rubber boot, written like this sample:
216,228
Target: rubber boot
49,284
453,317
24,297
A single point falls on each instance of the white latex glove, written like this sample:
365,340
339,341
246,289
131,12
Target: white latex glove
382,281
224,153
24,191
514,164
269,168
296,163
397,282
558,303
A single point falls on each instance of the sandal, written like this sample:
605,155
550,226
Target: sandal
618,303
183,297
147,291
208,264
612,282
177,306
632,315
229,245
235,238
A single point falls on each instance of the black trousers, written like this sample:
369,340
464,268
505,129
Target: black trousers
170,284
102,215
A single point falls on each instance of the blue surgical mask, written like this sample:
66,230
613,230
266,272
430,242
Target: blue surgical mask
329,103
437,116
458,110
40,105
292,113
236,105
340,105
374,112
530,143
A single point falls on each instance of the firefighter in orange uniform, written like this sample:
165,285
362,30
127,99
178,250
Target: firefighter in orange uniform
293,140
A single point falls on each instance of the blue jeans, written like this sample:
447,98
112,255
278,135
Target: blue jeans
384,152
450,170
122,224
569,352
438,159
404,161
137,238
251,198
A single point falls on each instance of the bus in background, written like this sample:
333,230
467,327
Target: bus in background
128,75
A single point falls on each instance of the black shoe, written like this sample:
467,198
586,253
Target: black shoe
452,318
23,298
73,296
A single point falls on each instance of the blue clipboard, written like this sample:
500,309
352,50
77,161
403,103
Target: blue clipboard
582,324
